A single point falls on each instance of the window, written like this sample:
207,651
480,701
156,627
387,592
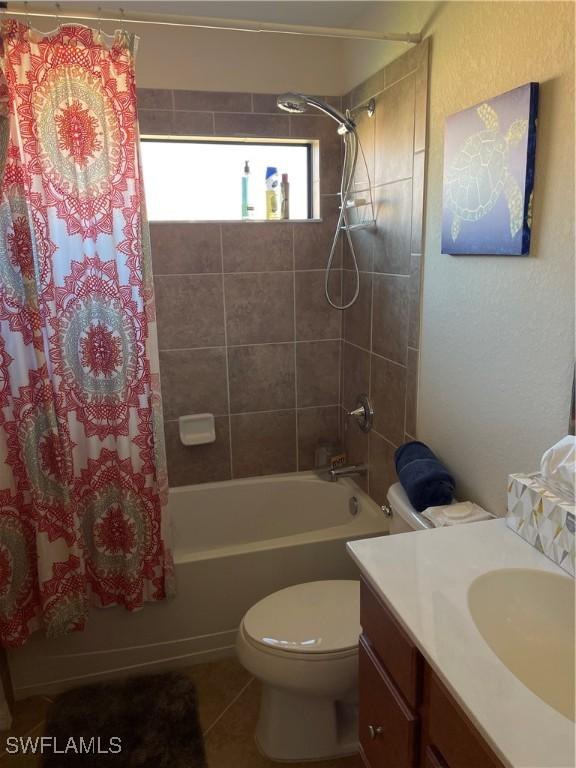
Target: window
188,180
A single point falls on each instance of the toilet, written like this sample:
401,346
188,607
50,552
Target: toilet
302,643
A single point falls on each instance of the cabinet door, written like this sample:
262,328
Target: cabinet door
432,759
388,729
397,653
448,734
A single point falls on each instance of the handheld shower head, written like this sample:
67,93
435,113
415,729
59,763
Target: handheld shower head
296,103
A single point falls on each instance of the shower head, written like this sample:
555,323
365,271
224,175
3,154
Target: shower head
292,102
296,103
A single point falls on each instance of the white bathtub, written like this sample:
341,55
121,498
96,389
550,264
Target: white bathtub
234,542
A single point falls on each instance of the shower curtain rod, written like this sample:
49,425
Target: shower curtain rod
234,25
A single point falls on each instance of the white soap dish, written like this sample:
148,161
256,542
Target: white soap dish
197,429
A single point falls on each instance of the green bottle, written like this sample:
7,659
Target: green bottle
247,208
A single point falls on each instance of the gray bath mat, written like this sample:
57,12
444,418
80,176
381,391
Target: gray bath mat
142,722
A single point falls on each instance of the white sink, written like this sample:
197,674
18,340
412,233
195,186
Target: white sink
527,619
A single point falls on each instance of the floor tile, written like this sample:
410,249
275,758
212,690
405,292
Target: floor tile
231,741
228,708
27,715
21,760
217,684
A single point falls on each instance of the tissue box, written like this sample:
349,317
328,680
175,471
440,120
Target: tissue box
542,518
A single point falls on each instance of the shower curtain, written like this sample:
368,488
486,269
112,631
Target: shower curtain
82,470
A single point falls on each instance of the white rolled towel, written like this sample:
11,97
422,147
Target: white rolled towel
558,467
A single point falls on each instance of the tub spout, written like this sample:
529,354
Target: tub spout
352,470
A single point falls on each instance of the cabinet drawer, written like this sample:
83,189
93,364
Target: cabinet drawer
387,727
395,650
450,734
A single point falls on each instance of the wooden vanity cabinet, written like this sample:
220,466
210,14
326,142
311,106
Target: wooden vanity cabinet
407,719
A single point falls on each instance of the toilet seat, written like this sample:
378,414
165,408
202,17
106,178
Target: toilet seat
294,656
316,619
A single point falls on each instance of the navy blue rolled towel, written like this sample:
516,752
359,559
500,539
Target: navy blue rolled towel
425,479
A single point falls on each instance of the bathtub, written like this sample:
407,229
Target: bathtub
234,542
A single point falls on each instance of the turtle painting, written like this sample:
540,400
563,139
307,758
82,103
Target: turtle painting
487,172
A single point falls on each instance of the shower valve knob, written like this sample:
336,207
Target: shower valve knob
363,413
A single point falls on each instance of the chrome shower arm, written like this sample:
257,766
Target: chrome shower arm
296,103
332,112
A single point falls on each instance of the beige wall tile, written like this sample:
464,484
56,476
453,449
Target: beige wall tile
229,124
395,132
191,464
257,247
355,374
388,394
367,89
193,124
418,202
193,381
390,317
382,469
315,425
213,101
358,319
393,228
421,106
263,443
315,318
414,287
190,311
184,248
154,98
318,366
156,121
365,126
313,240
412,392
261,377
363,241
259,308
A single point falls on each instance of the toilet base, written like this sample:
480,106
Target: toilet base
294,727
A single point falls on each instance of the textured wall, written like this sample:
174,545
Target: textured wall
244,330
498,333
222,60
381,330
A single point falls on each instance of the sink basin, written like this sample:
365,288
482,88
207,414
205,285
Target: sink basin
527,619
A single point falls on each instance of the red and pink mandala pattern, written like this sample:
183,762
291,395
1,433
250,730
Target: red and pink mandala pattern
120,525
79,380
97,348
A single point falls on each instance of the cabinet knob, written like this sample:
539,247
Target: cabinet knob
375,731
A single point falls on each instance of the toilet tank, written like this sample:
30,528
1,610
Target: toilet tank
404,516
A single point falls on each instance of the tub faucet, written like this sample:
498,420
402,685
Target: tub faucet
334,474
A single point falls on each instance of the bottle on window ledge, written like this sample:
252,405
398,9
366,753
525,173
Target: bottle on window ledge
285,187
247,207
272,193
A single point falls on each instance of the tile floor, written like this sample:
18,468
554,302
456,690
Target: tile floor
228,702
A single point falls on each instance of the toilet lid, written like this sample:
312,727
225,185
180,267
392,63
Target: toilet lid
317,617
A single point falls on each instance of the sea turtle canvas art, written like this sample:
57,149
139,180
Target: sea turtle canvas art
489,154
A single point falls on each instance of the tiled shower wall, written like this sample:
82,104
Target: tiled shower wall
244,330
381,331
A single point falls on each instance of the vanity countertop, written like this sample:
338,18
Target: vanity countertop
423,577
